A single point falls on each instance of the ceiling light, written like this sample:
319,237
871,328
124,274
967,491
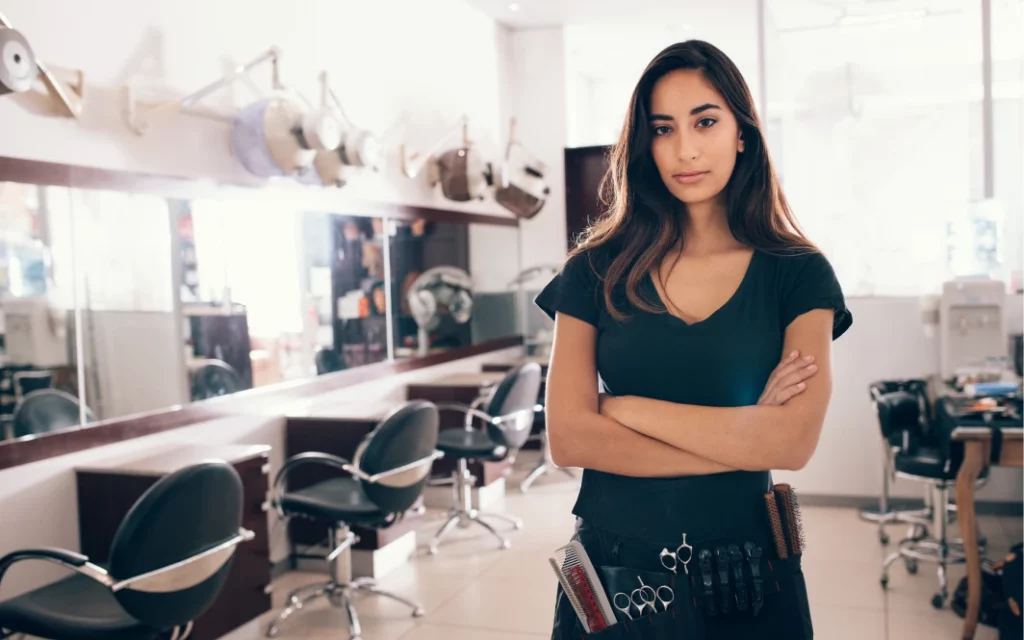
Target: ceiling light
514,6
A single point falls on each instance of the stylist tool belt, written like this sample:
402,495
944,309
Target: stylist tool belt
618,603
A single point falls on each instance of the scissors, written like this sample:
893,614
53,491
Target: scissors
681,556
642,598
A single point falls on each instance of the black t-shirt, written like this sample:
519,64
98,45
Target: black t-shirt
722,361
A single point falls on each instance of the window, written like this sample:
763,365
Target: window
879,137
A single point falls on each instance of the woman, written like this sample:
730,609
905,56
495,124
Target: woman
708,317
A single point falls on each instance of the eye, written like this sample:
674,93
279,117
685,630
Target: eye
704,123
661,130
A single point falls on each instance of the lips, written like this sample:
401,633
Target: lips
689,177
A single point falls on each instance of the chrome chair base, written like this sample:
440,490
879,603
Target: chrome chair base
540,470
464,515
922,546
340,596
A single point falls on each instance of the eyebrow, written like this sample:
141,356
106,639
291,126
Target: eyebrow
696,110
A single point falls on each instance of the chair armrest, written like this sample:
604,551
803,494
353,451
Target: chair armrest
470,412
425,463
70,559
309,458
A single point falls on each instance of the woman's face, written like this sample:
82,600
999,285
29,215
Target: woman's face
695,137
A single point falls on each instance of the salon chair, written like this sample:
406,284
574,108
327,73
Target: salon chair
213,378
384,480
47,410
894,438
328,361
507,412
167,564
913,455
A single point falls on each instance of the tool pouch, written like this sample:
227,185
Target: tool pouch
681,620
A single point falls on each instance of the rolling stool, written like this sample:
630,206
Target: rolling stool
508,416
169,560
385,478
899,411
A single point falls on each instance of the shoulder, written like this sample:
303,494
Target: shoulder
805,280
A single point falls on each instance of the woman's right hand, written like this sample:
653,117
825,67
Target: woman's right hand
788,379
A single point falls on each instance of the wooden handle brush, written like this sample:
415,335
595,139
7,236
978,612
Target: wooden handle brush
789,510
775,521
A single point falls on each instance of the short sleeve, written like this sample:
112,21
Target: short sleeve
808,283
574,291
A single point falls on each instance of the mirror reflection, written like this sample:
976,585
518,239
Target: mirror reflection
452,285
348,277
140,302
38,376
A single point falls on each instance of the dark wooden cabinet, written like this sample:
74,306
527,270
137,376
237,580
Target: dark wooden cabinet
584,169
107,491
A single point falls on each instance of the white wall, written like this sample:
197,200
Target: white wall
405,69
51,482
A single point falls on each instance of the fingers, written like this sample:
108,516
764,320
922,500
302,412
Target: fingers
789,392
784,372
796,376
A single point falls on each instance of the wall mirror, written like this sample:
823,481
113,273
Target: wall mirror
118,303
37,308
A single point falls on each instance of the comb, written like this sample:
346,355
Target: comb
583,588
791,519
775,522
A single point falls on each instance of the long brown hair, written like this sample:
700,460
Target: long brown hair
644,221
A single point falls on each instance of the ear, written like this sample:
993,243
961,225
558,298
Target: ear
739,144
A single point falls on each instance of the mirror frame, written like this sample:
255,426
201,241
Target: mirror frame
259,400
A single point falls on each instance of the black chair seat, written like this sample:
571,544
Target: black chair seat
335,500
928,462
459,443
925,462
74,608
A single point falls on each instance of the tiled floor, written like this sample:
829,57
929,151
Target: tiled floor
474,591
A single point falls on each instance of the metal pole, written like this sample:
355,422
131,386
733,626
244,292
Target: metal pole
988,135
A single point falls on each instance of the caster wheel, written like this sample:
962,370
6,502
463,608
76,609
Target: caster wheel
506,544
418,612
885,582
884,539
432,550
911,566
938,600
517,525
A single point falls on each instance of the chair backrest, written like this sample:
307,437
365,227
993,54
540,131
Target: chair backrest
215,378
328,361
407,435
517,392
47,410
898,421
184,523
899,418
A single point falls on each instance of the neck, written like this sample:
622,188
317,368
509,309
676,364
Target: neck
707,228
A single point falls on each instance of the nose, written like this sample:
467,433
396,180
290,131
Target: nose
686,146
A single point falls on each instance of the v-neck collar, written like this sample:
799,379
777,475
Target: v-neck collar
720,309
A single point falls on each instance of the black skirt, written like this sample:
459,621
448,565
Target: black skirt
784,614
